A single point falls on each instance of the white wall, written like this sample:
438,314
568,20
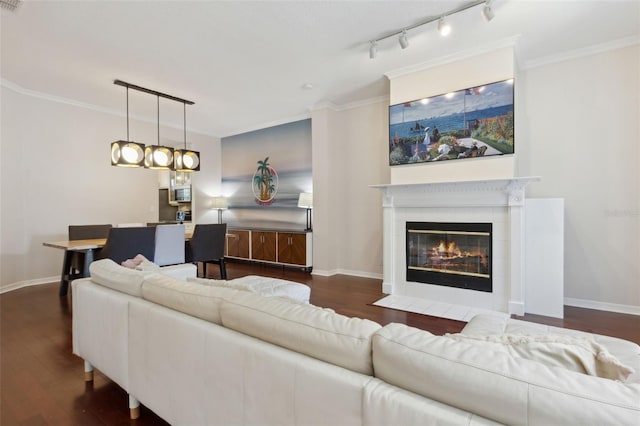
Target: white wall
56,171
347,213
583,135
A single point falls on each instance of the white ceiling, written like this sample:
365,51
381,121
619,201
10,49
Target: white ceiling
244,63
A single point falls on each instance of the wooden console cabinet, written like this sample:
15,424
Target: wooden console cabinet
285,247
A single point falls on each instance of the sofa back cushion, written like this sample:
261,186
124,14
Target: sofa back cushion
191,298
498,386
316,332
108,273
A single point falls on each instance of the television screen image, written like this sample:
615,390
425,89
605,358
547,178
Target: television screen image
469,123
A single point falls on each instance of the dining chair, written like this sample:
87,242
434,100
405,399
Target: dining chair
127,243
207,246
170,247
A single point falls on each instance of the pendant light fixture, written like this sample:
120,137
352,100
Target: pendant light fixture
186,160
156,156
127,153
133,154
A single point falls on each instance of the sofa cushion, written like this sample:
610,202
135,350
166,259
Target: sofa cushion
313,331
264,286
498,386
108,273
573,353
191,298
219,283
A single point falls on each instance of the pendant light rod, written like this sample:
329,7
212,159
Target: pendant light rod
184,107
152,92
128,114
158,97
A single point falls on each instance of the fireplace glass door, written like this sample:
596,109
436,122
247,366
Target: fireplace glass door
449,254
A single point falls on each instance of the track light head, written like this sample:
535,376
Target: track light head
373,50
443,28
487,12
404,42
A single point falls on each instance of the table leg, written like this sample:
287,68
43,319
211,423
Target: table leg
64,277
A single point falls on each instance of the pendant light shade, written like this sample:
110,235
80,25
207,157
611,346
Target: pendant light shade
127,153
156,156
186,160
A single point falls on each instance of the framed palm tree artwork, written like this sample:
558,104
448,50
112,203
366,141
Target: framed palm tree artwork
265,183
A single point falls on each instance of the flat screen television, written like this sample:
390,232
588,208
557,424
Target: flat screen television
470,123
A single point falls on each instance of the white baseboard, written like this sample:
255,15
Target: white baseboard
602,306
28,283
362,274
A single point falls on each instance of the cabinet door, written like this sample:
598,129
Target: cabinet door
238,243
292,248
263,246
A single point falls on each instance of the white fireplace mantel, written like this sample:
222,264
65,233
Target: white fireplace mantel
499,200
472,193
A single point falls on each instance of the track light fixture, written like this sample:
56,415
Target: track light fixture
487,12
373,50
443,27
404,42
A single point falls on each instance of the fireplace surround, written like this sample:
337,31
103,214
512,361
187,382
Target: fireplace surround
499,202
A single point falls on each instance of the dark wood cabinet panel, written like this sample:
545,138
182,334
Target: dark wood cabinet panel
238,243
263,245
292,248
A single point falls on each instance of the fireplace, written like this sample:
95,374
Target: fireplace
450,254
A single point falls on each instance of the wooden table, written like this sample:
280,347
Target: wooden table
89,248
86,247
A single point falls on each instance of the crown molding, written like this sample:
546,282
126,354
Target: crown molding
454,57
72,102
351,105
579,53
290,119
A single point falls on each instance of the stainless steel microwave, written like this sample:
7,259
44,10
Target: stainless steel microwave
183,195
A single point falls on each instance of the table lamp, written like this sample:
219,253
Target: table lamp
305,201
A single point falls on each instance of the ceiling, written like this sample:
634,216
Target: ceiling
245,64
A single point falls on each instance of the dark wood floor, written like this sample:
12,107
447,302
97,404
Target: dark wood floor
41,381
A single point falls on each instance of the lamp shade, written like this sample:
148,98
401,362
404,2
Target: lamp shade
305,200
127,154
158,157
219,203
186,160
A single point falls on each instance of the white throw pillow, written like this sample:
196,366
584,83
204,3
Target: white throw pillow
556,350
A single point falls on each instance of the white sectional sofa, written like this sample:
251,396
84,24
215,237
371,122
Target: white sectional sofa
209,353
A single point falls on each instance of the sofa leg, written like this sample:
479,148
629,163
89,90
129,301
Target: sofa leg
134,408
88,372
